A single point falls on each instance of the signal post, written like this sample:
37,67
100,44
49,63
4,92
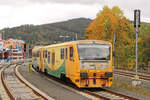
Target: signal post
136,81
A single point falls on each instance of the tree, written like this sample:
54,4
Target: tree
110,21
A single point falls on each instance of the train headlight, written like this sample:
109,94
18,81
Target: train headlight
83,75
108,74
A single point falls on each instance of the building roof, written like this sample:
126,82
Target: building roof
17,41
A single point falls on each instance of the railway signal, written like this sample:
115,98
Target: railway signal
136,25
137,18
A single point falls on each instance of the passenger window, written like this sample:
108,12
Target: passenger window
53,58
45,54
71,53
48,57
62,53
66,52
38,54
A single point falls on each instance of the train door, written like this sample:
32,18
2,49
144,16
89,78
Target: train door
71,61
53,60
42,60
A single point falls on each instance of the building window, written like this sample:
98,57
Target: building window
71,53
48,57
62,53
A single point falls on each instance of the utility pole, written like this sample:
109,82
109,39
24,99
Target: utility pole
76,36
114,51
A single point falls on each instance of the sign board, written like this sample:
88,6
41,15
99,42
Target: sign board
137,18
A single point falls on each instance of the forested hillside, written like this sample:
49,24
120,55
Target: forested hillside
49,33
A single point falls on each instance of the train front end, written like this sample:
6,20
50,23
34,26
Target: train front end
95,60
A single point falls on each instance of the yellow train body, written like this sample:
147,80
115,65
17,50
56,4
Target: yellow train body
87,63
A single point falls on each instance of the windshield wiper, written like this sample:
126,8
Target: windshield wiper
93,58
100,59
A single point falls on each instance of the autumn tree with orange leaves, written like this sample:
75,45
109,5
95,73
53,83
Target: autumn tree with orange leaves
110,21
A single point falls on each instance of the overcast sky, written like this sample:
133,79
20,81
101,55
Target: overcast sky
18,12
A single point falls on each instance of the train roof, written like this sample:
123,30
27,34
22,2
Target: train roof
37,47
79,42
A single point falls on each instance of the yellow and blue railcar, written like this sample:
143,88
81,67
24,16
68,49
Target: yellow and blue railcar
87,63
37,58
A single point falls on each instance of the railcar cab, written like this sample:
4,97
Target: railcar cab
36,58
95,64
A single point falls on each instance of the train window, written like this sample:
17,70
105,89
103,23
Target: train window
48,57
53,58
66,52
40,55
71,53
37,54
45,54
62,53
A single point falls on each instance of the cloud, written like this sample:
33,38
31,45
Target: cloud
44,13
29,2
18,12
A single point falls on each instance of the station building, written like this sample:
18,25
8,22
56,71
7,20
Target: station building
16,47
14,44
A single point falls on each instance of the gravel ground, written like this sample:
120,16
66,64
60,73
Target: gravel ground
55,91
128,81
60,93
3,93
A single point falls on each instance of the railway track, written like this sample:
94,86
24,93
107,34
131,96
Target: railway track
107,94
99,93
18,89
144,76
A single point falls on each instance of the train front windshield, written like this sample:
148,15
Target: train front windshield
94,52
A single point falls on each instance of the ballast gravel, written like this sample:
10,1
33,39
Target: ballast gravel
47,86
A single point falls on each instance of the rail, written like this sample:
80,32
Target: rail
142,75
108,94
18,88
100,93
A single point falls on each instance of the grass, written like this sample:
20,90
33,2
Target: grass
130,87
